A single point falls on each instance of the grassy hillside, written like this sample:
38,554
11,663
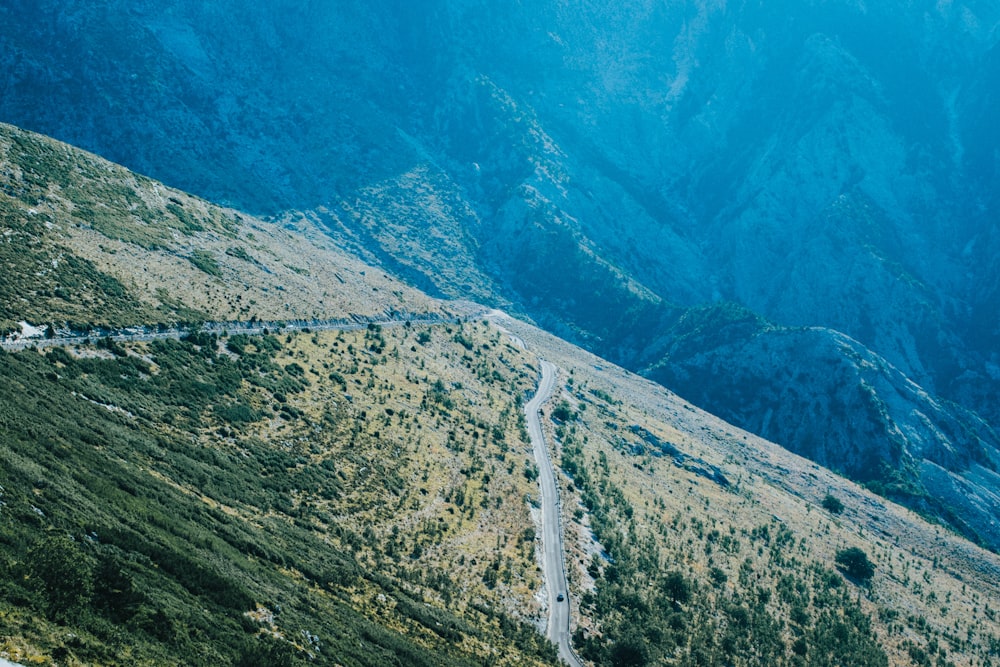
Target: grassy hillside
697,543
322,496
88,242
369,497
207,501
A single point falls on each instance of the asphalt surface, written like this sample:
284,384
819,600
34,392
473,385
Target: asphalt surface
553,561
255,328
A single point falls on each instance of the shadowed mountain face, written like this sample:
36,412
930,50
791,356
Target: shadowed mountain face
844,407
603,167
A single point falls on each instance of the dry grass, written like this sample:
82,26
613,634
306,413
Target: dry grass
435,486
922,570
179,254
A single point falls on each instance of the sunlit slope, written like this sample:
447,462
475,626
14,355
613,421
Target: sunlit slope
88,242
355,498
360,498
369,497
697,543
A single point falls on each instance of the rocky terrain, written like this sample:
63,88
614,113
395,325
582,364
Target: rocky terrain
601,169
860,415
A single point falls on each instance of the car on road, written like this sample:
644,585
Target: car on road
560,597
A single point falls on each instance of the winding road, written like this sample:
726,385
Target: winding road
553,561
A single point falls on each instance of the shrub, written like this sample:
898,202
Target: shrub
854,563
62,573
563,412
205,261
832,504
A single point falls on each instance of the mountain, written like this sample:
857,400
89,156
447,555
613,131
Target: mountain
194,499
600,169
935,457
311,487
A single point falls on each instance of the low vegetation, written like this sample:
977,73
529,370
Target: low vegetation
218,501
692,543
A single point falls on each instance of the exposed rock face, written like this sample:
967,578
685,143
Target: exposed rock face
827,397
601,167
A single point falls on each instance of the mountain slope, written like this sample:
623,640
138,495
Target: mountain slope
249,499
698,543
597,168
368,496
864,418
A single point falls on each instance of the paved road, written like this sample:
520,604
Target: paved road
553,561
253,328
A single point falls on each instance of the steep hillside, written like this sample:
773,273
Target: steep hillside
369,496
322,496
862,417
88,243
598,168
700,544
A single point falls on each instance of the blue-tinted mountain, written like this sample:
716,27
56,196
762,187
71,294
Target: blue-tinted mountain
600,167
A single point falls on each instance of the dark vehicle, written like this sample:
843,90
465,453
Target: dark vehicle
560,597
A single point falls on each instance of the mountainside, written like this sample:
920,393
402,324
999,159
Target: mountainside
863,417
601,169
368,496
204,500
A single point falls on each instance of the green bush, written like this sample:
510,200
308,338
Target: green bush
563,412
832,504
205,261
62,573
854,563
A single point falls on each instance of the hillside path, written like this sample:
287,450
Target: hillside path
553,560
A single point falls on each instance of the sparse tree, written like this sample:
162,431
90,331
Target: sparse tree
676,588
832,504
854,563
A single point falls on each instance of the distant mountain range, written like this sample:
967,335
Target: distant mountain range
786,214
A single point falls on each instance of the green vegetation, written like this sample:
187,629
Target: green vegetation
650,613
43,282
563,412
855,564
50,191
205,261
360,498
832,504
142,514
239,252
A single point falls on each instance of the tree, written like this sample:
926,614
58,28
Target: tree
832,504
62,573
632,651
563,412
676,588
854,563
